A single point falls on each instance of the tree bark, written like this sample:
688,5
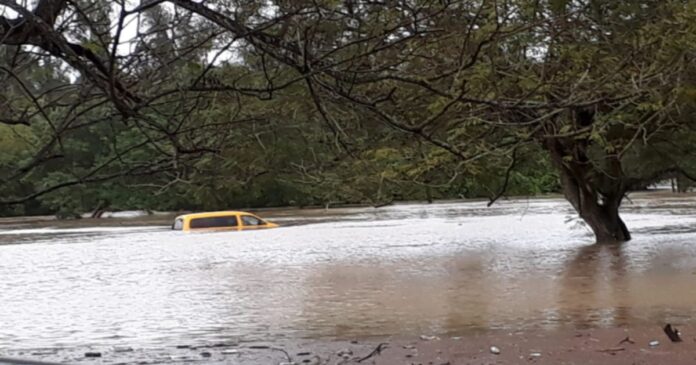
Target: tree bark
599,211
605,222
683,184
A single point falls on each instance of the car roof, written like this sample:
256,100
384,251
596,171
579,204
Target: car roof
222,213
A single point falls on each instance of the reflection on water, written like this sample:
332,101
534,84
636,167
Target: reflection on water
405,269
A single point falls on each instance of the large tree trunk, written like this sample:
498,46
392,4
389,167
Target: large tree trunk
599,211
605,222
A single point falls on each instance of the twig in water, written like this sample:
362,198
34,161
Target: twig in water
264,347
376,351
615,349
287,355
627,340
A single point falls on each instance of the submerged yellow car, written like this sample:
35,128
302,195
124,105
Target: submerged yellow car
225,220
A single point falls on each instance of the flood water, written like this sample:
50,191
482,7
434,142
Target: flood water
446,268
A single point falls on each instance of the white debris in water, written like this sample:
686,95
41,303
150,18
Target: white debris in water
345,353
126,214
179,358
429,338
495,350
654,343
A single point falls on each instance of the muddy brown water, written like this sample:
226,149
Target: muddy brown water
409,269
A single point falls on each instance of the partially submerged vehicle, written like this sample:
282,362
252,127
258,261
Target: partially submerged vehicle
224,220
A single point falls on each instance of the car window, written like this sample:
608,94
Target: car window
228,221
250,220
178,224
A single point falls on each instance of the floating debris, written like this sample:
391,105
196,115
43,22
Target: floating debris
345,353
495,350
613,350
627,340
429,338
259,347
123,349
230,352
306,353
206,354
179,358
93,354
44,352
654,343
183,346
535,354
673,333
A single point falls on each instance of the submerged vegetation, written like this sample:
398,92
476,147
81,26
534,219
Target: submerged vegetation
187,105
